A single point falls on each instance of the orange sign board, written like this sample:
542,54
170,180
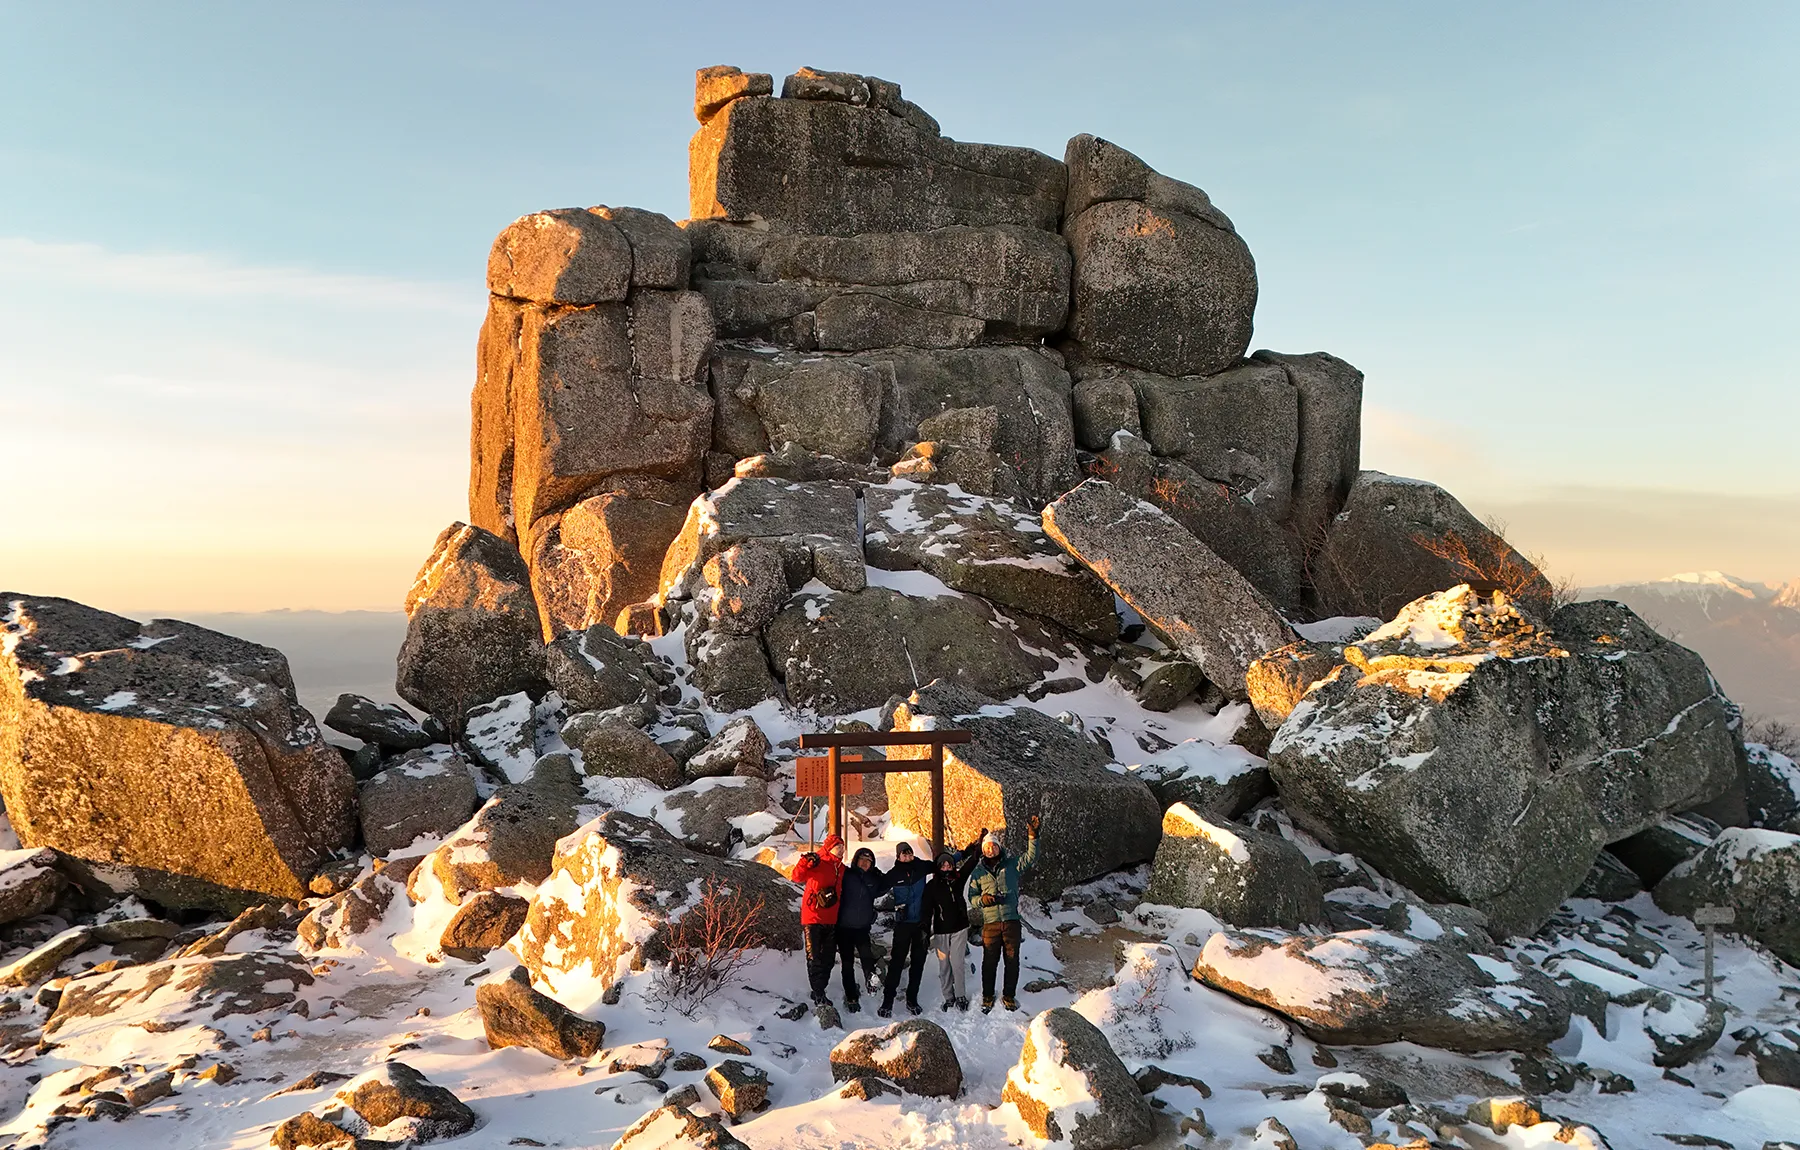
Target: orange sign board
812,777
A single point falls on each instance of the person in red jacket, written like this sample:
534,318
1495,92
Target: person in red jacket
822,875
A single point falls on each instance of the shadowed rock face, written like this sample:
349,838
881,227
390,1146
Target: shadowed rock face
1482,757
169,759
1023,763
1195,602
472,632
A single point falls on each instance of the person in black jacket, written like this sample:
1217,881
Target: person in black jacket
946,920
907,880
862,885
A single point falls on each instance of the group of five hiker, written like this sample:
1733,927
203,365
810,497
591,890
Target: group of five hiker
943,902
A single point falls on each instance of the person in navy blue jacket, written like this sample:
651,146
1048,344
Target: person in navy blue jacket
862,885
907,882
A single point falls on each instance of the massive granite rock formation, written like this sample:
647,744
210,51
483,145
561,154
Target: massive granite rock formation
165,758
1483,756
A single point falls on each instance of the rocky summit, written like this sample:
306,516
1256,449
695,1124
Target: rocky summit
1319,818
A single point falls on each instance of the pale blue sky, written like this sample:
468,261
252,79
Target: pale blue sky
241,247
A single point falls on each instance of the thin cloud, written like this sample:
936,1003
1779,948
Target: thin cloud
198,274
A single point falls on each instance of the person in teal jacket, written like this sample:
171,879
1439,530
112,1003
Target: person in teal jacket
994,908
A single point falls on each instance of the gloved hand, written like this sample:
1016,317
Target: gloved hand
976,845
1031,826
811,857
991,900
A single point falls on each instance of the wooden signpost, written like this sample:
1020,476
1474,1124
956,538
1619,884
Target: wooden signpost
1710,917
837,779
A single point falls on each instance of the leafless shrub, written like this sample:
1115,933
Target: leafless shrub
1778,735
709,947
1493,561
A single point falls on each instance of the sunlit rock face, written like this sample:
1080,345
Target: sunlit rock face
1484,756
165,758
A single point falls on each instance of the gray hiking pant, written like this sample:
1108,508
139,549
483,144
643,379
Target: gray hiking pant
953,964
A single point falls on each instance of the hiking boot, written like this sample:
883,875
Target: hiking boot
962,1004
1010,1003
912,1004
987,1005
818,998
887,1010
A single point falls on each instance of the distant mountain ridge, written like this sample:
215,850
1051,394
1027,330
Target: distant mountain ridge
1748,632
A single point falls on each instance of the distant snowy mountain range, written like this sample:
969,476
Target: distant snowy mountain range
1748,633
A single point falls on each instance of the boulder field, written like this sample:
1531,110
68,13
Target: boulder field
903,433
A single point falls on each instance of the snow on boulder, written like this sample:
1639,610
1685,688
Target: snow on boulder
398,1103
1193,600
1222,781
198,990
739,748
29,883
812,526
1483,757
620,889
1364,987
1021,762
1652,854
598,669
987,547
1757,874
502,736
704,814
472,630
430,792
511,839
915,1055
1070,1088
164,757
678,1128
1772,789
387,725
1241,876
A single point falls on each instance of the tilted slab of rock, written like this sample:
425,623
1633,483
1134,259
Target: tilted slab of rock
1772,788
167,758
1241,876
620,885
1757,874
597,669
986,547
1216,781
1241,532
1240,427
1396,539
812,525
812,161
1162,279
201,989
596,559
1095,818
1364,987
1482,758
569,398
839,653
1070,1086
1329,451
952,287
514,1013
1194,601
472,629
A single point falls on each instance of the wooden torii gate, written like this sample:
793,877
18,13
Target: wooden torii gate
834,745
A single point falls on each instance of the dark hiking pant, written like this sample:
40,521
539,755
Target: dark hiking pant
999,938
909,955
821,949
852,945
